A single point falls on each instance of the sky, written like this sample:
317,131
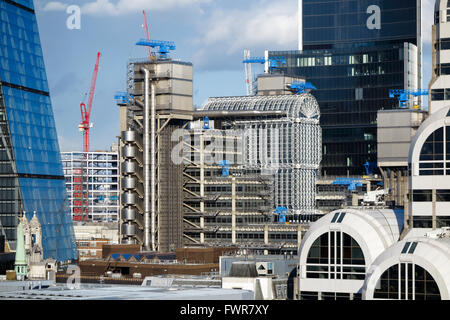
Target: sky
212,34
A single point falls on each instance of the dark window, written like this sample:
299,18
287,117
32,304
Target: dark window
422,196
389,287
422,222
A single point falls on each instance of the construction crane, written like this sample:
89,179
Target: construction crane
403,95
273,62
86,111
163,47
147,36
301,87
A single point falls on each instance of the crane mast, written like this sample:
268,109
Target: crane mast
147,36
86,111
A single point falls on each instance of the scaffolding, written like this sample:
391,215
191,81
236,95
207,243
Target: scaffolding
282,136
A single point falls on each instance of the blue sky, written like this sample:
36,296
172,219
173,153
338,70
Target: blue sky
210,33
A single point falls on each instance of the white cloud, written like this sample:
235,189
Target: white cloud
266,25
55,6
108,7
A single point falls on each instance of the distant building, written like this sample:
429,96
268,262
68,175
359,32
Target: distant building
92,183
354,53
91,236
31,175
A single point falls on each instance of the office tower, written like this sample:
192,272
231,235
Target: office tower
31,175
354,52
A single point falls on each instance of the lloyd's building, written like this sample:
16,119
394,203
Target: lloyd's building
31,175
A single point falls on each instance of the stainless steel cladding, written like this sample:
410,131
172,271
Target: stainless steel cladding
129,183
129,136
129,214
129,152
129,198
129,229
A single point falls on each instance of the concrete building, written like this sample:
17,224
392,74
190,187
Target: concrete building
440,91
91,236
31,175
396,130
92,183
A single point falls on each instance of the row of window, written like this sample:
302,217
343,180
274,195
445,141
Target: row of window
427,195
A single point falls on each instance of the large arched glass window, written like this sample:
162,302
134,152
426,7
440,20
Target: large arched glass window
435,154
407,281
335,255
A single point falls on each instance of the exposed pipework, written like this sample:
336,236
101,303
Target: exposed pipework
149,163
153,169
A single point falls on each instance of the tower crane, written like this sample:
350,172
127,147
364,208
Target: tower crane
402,95
163,47
86,111
273,62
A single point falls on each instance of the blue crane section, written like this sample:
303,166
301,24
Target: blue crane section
163,47
302,87
274,62
403,95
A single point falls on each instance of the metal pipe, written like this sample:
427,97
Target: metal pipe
153,169
146,161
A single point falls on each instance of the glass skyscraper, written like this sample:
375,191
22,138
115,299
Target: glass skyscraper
354,52
31,175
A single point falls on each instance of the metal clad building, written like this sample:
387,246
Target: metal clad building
31,175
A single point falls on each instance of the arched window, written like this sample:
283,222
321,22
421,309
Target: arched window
335,255
407,281
435,153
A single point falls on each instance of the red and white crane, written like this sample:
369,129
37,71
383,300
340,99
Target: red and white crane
86,111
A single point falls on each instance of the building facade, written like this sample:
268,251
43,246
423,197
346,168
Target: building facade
31,175
354,52
440,91
92,183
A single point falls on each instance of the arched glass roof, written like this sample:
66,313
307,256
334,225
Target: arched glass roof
303,106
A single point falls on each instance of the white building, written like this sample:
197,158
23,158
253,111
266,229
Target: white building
338,249
100,172
416,268
429,160
440,83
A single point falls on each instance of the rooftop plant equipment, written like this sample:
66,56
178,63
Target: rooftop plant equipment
403,95
163,48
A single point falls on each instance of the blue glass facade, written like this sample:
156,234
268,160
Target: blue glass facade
354,52
329,24
31,175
